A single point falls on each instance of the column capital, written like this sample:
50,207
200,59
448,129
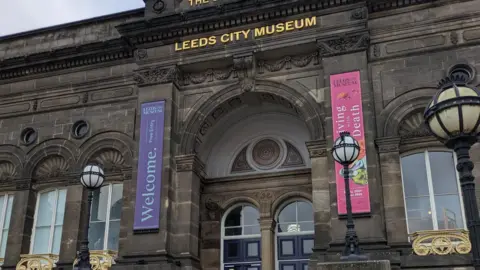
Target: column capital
317,148
388,144
267,223
190,163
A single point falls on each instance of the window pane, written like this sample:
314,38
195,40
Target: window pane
8,215
234,217
251,215
444,177
3,245
96,235
62,194
100,204
414,175
419,214
449,213
287,248
233,231
116,208
45,209
288,214
252,250
41,240
113,233
232,250
249,230
306,226
305,211
288,267
57,239
307,246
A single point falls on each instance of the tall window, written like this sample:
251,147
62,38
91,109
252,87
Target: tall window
295,231
241,239
431,190
6,202
105,218
48,222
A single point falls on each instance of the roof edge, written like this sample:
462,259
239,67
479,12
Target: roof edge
57,27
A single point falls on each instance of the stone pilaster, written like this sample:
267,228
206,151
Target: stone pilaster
393,202
73,222
21,225
320,194
267,229
154,247
186,210
352,56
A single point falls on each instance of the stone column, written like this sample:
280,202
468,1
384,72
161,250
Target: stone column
73,223
21,224
267,229
186,210
152,247
393,202
320,194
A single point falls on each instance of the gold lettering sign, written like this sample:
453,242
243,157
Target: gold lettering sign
246,34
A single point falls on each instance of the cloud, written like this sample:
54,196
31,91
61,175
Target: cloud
24,15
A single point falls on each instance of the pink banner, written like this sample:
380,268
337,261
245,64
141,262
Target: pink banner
347,115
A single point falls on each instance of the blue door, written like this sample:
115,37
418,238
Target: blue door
242,254
294,251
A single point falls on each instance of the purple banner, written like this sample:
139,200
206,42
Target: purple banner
149,176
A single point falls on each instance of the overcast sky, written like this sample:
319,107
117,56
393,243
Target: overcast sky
23,15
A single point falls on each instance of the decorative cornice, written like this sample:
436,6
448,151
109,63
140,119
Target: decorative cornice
388,144
317,148
157,75
209,75
379,5
347,43
70,57
190,163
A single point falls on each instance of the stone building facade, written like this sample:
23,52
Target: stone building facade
247,179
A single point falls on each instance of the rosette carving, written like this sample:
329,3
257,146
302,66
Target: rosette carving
51,167
7,171
111,160
441,242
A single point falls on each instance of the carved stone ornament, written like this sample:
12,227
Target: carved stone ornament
245,69
412,126
288,62
7,171
24,184
51,167
317,148
141,54
376,50
210,75
343,44
158,6
240,164
294,158
157,75
359,14
214,212
454,37
111,160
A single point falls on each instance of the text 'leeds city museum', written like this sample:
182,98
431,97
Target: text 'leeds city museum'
213,122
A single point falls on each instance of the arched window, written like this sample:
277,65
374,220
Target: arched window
295,232
105,218
241,238
431,191
48,222
6,203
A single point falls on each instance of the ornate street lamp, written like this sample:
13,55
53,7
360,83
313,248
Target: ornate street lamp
345,151
92,177
453,116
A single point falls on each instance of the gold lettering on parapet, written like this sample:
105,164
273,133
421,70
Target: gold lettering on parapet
246,34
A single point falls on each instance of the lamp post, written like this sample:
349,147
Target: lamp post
453,116
92,177
345,151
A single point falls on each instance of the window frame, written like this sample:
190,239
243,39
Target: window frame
431,195
300,234
54,216
3,215
247,237
107,214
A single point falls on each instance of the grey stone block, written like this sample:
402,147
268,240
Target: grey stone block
371,265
